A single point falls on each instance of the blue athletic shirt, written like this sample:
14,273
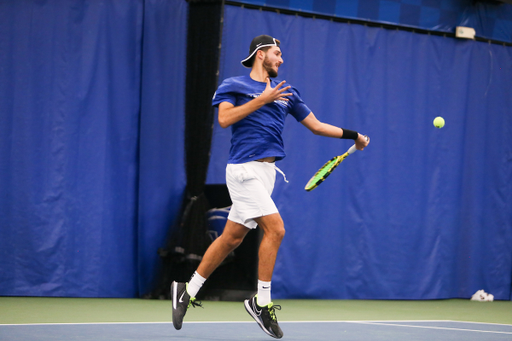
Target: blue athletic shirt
259,134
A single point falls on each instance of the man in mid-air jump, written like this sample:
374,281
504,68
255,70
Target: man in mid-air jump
255,107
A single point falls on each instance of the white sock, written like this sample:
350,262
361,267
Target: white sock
263,298
195,283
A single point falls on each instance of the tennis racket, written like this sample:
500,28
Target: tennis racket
327,169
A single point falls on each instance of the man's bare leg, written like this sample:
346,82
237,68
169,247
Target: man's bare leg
182,298
229,240
260,307
273,233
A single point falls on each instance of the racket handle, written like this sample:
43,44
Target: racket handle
352,149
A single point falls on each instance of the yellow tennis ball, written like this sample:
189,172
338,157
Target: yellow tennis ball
438,122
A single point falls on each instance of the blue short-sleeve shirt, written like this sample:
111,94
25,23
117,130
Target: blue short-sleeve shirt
259,134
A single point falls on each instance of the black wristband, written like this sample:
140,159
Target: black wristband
349,134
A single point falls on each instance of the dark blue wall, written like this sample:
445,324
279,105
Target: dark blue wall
422,213
91,143
92,166
490,19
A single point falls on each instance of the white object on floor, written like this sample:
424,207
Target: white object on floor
482,296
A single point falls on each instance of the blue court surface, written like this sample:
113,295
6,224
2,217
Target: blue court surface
336,330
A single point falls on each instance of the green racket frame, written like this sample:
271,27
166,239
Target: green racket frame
327,169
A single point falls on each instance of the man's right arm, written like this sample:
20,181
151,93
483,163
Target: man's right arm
229,114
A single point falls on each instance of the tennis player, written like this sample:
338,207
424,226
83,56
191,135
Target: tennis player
255,107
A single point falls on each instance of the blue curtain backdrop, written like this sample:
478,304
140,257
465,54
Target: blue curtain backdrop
83,204
490,19
162,170
91,153
422,213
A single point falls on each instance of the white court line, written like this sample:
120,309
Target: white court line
356,321
429,327
198,322
491,323
379,322
110,323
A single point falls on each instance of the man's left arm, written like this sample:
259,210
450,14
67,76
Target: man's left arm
328,130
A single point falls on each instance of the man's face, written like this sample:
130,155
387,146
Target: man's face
273,59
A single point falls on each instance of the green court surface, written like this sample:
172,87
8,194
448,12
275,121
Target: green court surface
26,310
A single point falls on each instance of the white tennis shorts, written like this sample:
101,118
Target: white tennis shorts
250,187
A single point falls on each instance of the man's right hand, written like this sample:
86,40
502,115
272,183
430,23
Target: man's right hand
270,94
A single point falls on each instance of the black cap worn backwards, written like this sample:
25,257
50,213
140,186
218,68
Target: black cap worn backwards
256,44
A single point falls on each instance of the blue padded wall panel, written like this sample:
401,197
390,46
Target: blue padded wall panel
491,20
162,178
422,213
91,144
69,113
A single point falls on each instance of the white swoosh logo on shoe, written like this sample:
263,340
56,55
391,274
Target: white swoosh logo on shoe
174,296
256,310
181,298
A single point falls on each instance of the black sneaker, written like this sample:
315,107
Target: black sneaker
264,316
181,301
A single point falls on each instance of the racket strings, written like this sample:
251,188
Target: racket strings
324,172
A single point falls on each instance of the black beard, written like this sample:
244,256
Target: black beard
268,67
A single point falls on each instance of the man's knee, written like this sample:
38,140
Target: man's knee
235,242
279,232
273,227
276,231
232,241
